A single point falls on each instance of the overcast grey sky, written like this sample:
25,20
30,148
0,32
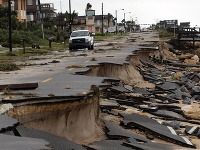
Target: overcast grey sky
146,11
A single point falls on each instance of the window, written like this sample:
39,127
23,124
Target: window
80,33
12,5
29,2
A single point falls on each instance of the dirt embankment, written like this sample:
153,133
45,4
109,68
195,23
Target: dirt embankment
77,121
127,73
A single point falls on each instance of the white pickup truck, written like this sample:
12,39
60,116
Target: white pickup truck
81,39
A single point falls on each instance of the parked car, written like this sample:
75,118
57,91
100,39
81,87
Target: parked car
111,29
80,39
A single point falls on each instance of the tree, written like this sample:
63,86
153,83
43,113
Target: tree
62,19
109,17
74,15
48,23
88,6
59,20
4,19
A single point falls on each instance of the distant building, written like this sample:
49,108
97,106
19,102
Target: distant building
84,22
79,23
32,10
107,22
185,24
92,22
17,5
167,24
37,11
28,10
47,10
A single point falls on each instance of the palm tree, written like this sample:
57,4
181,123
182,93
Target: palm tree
74,15
88,6
59,20
109,17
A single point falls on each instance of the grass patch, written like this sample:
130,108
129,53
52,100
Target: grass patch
165,34
8,66
3,49
18,54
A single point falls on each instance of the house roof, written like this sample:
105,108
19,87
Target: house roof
97,17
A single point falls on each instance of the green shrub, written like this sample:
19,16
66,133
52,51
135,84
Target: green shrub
31,36
8,66
165,33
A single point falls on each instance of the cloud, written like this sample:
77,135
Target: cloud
147,11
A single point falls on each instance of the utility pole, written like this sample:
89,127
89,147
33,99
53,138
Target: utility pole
116,21
102,21
124,22
60,7
40,12
10,25
70,17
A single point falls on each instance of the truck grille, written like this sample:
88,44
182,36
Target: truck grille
78,40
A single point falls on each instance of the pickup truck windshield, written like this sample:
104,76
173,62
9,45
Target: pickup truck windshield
80,33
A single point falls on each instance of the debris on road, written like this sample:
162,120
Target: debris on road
147,98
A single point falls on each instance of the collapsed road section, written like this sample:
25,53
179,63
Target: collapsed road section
109,98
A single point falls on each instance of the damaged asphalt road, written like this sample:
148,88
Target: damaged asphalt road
145,101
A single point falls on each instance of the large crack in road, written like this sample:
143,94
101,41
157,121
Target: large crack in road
122,76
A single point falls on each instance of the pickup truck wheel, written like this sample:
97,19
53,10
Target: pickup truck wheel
89,48
92,47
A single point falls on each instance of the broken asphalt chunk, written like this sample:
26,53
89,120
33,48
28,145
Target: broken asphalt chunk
175,124
58,143
166,86
114,131
195,77
7,123
148,146
191,130
152,79
8,142
134,141
108,145
128,87
168,115
22,86
196,90
141,91
167,97
181,95
109,105
198,133
155,128
54,61
126,102
119,89
187,101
